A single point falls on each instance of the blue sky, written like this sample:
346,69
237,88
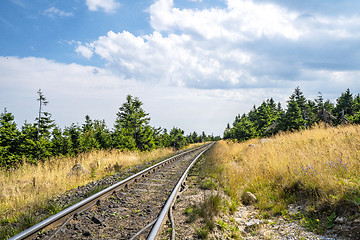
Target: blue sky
195,64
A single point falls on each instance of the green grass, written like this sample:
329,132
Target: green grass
202,233
208,184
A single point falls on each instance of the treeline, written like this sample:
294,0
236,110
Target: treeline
270,118
43,139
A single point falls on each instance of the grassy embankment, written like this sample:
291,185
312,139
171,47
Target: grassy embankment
317,168
19,198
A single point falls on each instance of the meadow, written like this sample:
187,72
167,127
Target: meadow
30,187
316,168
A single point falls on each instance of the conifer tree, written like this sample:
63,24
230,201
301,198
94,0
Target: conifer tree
244,129
102,134
87,139
29,142
344,107
324,110
227,132
73,136
60,144
299,98
9,139
131,128
177,137
293,119
356,109
166,140
44,123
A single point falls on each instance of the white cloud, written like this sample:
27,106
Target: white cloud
245,45
239,21
108,6
173,59
84,51
54,12
74,91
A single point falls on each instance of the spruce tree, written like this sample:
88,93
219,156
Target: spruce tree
227,132
177,138
131,128
244,129
344,107
293,118
59,143
87,138
9,140
44,123
102,134
324,109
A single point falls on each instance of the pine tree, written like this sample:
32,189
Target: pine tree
356,109
244,129
324,109
87,139
60,144
306,108
73,136
311,113
30,143
227,132
344,107
102,134
158,137
293,119
9,139
267,114
131,128
44,123
299,98
165,138
177,138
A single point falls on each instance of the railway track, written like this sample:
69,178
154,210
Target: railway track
134,208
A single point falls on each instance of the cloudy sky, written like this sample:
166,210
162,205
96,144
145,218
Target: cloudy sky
195,64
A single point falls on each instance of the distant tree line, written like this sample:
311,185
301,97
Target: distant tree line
270,118
43,139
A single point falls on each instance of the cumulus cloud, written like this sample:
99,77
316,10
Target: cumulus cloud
54,12
74,91
244,45
84,51
241,20
108,6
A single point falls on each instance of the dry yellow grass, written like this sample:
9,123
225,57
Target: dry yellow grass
321,164
51,177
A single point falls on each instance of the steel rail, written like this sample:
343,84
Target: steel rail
62,216
161,218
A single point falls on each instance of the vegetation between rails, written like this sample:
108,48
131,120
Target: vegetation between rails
317,169
206,214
